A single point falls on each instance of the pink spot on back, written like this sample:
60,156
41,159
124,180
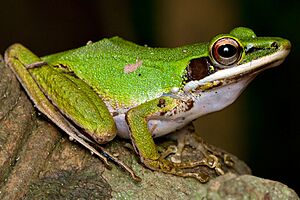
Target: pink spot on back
132,67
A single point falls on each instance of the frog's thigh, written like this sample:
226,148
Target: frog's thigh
77,101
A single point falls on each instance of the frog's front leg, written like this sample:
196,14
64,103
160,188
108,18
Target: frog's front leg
137,119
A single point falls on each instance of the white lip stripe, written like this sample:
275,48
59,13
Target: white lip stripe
230,72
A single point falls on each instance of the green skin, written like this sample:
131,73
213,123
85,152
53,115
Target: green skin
89,85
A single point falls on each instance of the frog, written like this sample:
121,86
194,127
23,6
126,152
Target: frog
116,87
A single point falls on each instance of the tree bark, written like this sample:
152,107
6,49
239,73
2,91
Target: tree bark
37,161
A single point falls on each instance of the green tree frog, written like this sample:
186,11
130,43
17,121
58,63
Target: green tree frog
114,86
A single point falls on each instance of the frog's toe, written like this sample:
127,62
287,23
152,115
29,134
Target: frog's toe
193,156
168,167
168,163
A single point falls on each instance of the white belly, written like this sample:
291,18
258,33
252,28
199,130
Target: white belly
209,101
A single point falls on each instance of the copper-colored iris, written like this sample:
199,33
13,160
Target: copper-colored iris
226,51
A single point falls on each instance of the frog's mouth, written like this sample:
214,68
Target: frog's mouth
224,76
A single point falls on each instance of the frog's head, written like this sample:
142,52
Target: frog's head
231,62
234,57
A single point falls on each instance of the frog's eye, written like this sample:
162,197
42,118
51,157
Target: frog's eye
226,51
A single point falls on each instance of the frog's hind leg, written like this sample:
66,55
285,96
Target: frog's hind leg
210,157
25,64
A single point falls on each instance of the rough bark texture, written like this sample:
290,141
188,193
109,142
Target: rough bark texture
37,161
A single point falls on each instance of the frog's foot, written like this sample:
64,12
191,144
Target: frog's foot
169,167
182,168
210,157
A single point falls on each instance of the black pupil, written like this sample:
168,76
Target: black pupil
227,50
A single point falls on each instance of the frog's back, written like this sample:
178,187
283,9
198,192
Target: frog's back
125,73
